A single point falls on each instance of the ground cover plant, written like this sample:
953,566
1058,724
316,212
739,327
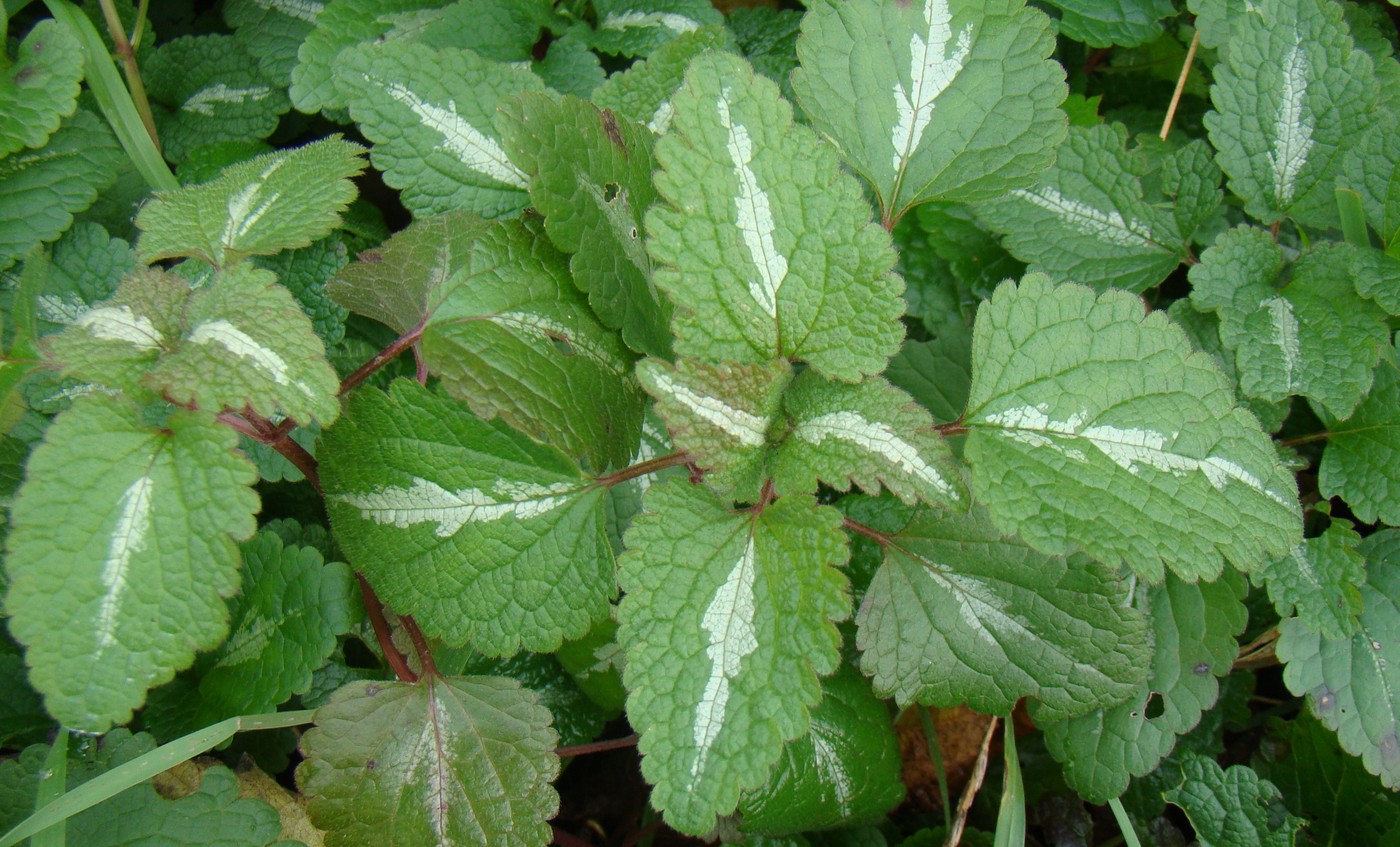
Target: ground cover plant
630,421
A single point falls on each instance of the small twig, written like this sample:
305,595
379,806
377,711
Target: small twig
1258,653
660,463
384,357
1180,84
948,430
597,746
974,784
374,608
420,645
133,73
1299,440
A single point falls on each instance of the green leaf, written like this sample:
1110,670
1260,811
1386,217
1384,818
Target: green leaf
768,39
767,248
1106,23
1203,328
212,91
480,533
845,771
86,267
1361,463
577,719
339,25
1290,99
1352,683
1232,808
917,96
590,176
40,88
1372,169
721,414
1098,426
121,551
1193,636
936,373
1088,220
726,622
509,329
950,261
643,92
570,67
958,614
1319,581
1377,276
595,661
272,31
445,761
247,343
429,113
1314,336
869,434
41,190
638,27
306,272
22,716
264,205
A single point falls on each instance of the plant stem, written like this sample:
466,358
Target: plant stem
420,645
1180,84
974,784
869,532
1126,826
383,357
133,73
660,463
935,754
597,746
1299,440
137,31
1258,653
375,609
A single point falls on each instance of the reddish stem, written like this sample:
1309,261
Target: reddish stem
420,645
869,532
384,357
660,463
375,609
596,746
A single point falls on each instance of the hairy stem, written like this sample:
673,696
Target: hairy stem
1299,440
133,74
383,357
1180,84
869,532
374,608
420,645
660,463
597,746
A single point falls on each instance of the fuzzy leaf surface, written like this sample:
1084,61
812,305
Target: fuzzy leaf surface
1193,627
1083,411
448,761
1087,220
1351,683
643,92
1105,23
85,268
341,24
1203,328
1319,582
726,621
959,614
870,434
257,207
246,342
765,246
590,176
40,88
272,32
1361,462
1315,336
305,272
1372,169
479,532
121,552
1291,97
915,95
430,114
638,27
1232,807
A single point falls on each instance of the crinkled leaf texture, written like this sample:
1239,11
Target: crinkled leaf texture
935,99
766,247
643,92
1193,628
257,207
447,761
272,31
1353,684
479,532
1361,462
40,88
1105,23
1234,807
960,614
1098,426
86,266
121,552
1319,581
726,621
639,27
339,25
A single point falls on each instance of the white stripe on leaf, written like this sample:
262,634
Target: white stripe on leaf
931,71
302,10
128,539
204,100
729,620
678,24
120,323
1108,227
245,347
1285,336
244,208
745,427
876,438
1293,126
424,501
755,214
469,145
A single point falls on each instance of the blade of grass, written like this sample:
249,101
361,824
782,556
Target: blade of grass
52,784
142,768
974,784
1011,816
1353,218
935,754
113,98
1126,826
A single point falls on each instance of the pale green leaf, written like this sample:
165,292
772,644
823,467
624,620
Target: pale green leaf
1193,628
430,115
1234,807
726,623
121,551
595,662
1372,169
1096,425
845,771
1319,581
1290,99
642,93
261,206
638,27
1087,220
936,373
448,761
86,267
570,67
1376,274
1215,19
768,39
766,246
393,283
721,414
211,91
1361,463
1313,336
40,87
590,176
960,614
1352,684
919,97
480,533
341,24
247,343
512,336
41,190
272,31
306,273
577,719
1203,328
1106,23
869,434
